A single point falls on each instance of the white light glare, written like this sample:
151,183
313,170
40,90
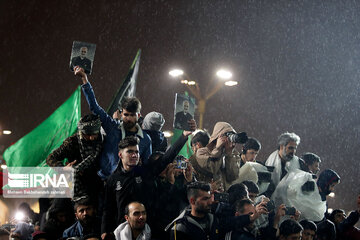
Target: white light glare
231,83
224,74
176,72
19,216
168,134
3,166
191,83
6,132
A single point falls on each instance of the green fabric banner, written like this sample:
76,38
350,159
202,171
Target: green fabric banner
33,149
186,151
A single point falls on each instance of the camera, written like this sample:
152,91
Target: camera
240,138
180,162
290,211
270,206
221,197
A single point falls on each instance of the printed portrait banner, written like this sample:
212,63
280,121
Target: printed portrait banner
82,55
38,182
184,111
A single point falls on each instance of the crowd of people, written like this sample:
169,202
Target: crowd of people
129,183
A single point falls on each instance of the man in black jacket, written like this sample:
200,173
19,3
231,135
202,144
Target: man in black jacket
196,223
133,182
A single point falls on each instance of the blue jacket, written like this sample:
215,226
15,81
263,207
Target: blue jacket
114,133
76,230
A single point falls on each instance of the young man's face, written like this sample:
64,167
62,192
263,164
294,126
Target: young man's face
253,196
129,119
137,216
308,234
203,202
250,155
315,167
288,152
129,156
196,146
84,213
332,186
249,209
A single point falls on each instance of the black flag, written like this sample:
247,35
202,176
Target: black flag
128,86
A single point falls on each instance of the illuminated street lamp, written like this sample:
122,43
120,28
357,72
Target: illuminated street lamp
176,72
194,88
224,74
6,132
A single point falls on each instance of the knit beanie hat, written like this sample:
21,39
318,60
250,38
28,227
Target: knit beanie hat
153,121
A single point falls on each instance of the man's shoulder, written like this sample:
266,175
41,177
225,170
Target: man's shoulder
179,113
270,160
70,142
146,136
72,231
75,58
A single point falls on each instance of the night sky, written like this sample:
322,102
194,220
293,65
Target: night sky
297,64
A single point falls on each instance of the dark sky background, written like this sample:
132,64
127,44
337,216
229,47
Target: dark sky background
297,64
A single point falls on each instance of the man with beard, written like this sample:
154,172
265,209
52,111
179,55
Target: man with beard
86,223
115,129
135,226
250,151
284,159
196,223
311,163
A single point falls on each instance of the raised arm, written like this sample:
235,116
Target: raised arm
108,123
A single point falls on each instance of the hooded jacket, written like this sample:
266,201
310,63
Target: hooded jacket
211,162
326,178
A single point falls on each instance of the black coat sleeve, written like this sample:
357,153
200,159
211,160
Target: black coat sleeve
109,217
169,156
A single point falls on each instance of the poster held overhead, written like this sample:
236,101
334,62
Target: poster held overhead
184,111
82,55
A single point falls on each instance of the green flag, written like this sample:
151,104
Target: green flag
33,149
186,151
128,86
